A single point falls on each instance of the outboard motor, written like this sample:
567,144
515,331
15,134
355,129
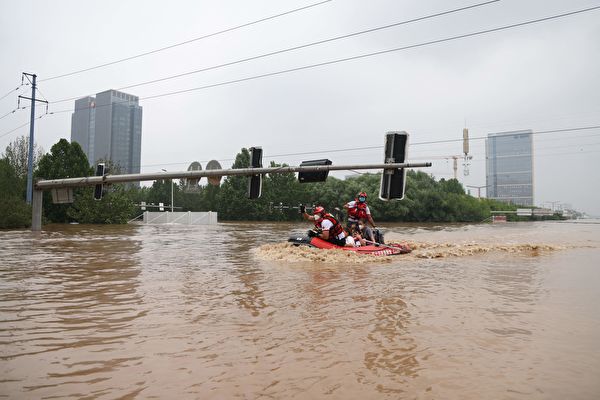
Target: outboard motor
299,240
378,236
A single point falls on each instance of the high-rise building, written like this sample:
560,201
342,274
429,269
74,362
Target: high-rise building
83,125
509,167
109,127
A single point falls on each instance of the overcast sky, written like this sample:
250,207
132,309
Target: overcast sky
543,76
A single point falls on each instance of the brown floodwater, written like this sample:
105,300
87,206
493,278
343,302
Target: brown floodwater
231,311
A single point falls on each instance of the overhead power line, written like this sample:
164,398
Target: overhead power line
423,143
185,42
369,55
289,49
21,126
582,128
14,129
421,158
41,94
11,92
340,60
13,111
267,156
482,32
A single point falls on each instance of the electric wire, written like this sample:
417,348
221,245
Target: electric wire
18,108
15,129
475,160
289,49
274,156
422,143
305,67
11,112
45,99
11,92
377,53
41,94
21,126
15,110
185,42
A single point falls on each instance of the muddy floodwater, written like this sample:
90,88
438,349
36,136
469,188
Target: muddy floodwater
506,311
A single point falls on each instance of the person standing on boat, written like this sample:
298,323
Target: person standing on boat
358,209
326,226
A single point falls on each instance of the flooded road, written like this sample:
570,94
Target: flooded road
231,311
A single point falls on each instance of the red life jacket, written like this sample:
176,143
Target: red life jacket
335,230
358,211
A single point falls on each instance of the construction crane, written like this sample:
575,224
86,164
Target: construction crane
465,156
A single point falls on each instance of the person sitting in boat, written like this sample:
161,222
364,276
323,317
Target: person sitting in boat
358,209
358,239
326,227
365,231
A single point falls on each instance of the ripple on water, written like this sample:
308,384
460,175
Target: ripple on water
214,312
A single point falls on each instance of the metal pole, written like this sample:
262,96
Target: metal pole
107,179
30,159
36,210
162,169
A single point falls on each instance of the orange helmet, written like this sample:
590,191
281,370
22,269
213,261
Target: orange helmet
362,197
319,210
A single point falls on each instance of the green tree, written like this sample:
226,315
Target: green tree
233,203
15,212
451,186
160,192
115,207
425,198
65,160
280,190
17,154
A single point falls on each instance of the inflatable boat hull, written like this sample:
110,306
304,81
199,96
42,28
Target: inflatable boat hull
381,250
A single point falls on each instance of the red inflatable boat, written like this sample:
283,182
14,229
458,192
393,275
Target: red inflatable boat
381,250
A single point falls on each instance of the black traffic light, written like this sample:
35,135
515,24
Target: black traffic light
314,176
98,188
393,180
255,181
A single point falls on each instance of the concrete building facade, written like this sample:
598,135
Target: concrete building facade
109,127
509,167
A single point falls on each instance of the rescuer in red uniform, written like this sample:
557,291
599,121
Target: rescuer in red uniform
326,226
358,209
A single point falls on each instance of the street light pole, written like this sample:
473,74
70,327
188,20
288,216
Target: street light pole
171,190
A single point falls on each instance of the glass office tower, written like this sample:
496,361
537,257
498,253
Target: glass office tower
509,167
109,127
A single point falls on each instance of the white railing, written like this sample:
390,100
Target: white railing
178,217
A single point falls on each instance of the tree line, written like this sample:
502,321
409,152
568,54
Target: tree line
426,200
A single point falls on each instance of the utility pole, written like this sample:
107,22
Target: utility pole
31,127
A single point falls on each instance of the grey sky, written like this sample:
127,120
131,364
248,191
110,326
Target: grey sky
543,76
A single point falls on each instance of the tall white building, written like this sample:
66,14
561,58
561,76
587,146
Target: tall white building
509,167
109,127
